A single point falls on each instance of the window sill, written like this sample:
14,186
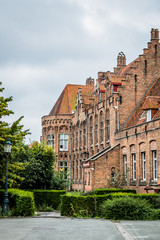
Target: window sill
142,183
133,183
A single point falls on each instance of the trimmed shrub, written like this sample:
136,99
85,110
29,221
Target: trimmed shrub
113,190
21,203
154,199
126,208
89,193
50,198
77,206
91,205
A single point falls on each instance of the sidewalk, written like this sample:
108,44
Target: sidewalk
48,214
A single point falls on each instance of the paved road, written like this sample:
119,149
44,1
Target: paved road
60,228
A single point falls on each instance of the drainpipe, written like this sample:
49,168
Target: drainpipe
83,179
117,99
70,177
87,131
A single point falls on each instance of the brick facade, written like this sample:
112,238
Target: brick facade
112,125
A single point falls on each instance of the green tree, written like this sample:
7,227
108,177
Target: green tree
16,135
39,171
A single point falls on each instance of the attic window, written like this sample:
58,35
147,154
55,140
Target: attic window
149,115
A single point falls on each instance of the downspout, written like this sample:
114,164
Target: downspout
117,99
87,131
83,180
70,176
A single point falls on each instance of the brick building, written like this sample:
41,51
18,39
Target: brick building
112,125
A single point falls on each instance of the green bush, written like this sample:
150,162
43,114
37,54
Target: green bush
89,193
126,208
50,198
113,190
21,202
77,205
153,198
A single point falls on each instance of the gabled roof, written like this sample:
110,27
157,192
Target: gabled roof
135,117
66,102
127,69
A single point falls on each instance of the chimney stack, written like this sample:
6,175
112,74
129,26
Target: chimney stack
154,35
121,60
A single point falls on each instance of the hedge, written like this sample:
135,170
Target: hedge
89,206
113,190
82,205
51,198
128,208
21,203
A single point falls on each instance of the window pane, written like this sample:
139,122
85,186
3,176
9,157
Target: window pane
61,136
66,136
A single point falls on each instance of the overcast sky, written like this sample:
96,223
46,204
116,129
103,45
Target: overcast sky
46,44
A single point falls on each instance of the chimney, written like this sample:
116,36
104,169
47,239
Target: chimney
154,35
121,60
90,82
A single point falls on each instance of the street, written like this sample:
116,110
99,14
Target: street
63,228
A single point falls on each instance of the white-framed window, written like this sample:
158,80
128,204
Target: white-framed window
134,165
154,155
144,165
50,140
125,166
149,115
63,142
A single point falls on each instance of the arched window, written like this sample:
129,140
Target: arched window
101,126
96,129
107,124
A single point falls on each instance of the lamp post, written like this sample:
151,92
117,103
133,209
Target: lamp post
7,150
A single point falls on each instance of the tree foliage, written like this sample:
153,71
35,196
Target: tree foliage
29,167
39,171
16,135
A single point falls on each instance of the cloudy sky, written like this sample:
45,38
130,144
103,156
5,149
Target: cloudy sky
45,44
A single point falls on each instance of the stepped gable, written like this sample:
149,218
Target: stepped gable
127,69
66,102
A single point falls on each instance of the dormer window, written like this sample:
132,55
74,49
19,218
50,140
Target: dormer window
151,106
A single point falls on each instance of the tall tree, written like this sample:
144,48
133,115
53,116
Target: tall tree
12,131
39,171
